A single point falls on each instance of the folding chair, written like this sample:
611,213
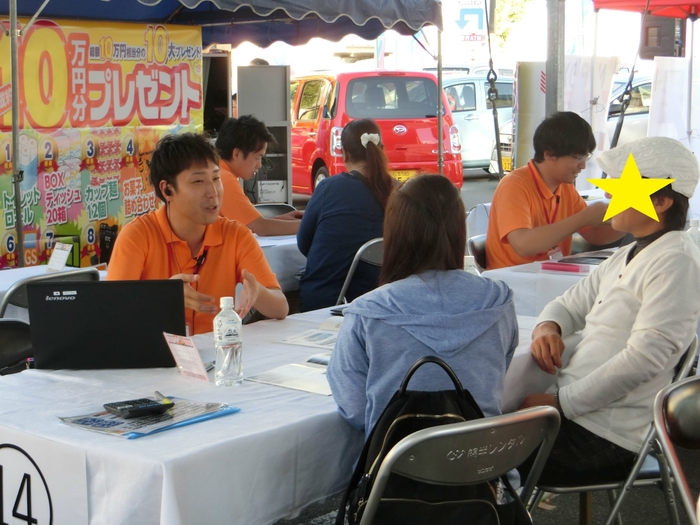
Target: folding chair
646,471
15,345
476,246
370,252
478,219
17,294
436,454
677,422
273,210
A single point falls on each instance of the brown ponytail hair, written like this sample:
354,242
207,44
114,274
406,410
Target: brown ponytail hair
376,172
424,229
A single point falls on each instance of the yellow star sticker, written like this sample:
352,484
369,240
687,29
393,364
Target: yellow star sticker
631,191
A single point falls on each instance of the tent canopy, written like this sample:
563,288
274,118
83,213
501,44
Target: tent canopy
259,21
671,8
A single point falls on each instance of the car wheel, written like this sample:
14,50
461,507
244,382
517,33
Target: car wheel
321,173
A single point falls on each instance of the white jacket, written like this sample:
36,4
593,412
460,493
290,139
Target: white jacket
637,319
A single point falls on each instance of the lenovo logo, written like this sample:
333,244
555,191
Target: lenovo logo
60,298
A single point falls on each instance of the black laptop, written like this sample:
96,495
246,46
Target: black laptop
104,324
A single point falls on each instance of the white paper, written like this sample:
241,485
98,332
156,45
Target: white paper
317,338
59,256
186,356
305,377
333,323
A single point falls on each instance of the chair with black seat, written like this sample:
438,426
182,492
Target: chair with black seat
677,422
476,247
273,210
15,345
17,294
370,252
438,454
649,468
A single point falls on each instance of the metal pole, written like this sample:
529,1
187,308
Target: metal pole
594,69
441,152
17,174
690,75
554,97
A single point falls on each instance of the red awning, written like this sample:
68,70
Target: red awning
670,8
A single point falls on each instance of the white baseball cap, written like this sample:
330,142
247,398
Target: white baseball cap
656,158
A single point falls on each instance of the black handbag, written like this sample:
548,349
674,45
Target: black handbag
406,501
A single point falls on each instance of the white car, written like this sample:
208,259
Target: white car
634,126
473,114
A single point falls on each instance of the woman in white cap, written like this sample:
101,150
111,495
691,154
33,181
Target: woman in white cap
344,212
638,313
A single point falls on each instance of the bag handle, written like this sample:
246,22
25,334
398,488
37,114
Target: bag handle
437,361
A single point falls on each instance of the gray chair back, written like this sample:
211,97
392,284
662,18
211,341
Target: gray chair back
17,293
476,247
439,454
677,422
370,252
273,210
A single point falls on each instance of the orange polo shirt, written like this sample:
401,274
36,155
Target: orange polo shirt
147,248
235,205
523,200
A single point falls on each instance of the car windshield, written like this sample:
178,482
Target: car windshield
387,97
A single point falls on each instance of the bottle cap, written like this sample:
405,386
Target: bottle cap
469,262
226,302
694,222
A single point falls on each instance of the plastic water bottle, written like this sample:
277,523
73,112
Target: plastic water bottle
228,344
470,265
694,232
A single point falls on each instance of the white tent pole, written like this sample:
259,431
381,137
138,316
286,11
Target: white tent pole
17,174
593,68
439,101
690,79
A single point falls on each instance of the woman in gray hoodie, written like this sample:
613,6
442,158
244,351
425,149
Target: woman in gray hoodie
427,305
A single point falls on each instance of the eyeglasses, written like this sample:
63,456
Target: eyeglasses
581,158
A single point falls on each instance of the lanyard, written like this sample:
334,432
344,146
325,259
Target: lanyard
544,207
200,260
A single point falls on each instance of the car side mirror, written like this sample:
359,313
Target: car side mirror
615,109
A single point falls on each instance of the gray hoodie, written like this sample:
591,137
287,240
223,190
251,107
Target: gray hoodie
466,320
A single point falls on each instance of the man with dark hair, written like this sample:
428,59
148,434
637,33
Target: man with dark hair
187,239
536,208
242,143
638,313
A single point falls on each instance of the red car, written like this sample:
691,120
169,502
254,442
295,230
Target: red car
403,104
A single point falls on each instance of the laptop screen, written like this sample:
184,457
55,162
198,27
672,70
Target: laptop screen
104,324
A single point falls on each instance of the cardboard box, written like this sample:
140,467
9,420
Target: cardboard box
272,191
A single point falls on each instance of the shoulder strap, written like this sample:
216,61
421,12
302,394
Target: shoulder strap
455,380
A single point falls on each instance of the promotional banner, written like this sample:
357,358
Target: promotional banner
94,99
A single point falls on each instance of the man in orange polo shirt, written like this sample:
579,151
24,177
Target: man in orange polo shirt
187,239
242,142
536,208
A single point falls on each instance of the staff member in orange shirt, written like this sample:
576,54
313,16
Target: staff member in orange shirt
242,142
187,239
536,208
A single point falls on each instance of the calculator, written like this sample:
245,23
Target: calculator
137,407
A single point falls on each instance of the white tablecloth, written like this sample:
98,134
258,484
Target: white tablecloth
284,450
532,287
285,259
